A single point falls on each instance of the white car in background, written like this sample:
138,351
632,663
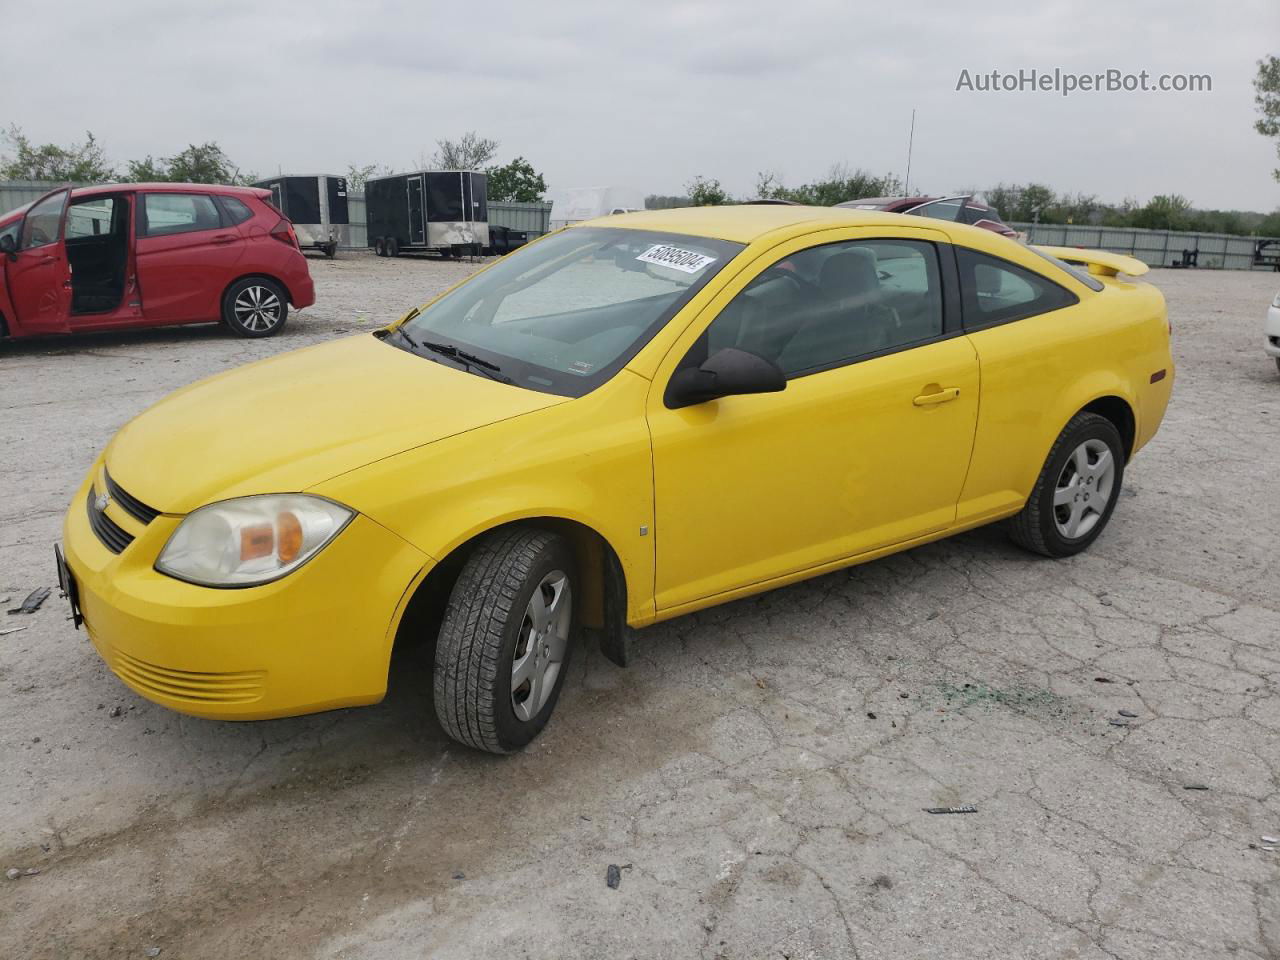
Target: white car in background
1272,330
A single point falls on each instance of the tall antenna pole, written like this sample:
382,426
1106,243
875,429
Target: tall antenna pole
906,184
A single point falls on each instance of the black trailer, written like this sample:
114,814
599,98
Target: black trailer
445,211
317,205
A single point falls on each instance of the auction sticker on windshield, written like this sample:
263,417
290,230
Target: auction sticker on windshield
686,261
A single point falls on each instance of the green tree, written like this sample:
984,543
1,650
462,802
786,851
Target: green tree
704,192
840,184
468,152
1266,87
1165,212
657,201
199,163
202,163
516,182
357,177
76,162
148,170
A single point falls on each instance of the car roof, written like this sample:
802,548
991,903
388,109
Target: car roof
105,188
743,223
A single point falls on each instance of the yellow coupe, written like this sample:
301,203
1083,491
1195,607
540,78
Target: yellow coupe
623,422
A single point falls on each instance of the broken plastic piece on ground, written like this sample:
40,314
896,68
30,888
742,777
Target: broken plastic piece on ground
613,876
1127,713
1270,840
1117,722
1103,680
33,601
5,633
1195,786
963,808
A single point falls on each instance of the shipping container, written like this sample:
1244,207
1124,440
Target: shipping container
443,211
317,205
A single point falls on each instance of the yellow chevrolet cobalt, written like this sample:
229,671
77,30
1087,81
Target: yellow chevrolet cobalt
626,421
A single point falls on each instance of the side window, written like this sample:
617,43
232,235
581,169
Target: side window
832,305
93,218
997,291
939,210
169,213
43,222
236,211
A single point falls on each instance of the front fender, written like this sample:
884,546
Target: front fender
587,461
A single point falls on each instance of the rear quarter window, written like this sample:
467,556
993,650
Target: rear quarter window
997,291
235,210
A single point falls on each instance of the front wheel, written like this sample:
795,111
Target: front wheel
504,646
255,307
1076,491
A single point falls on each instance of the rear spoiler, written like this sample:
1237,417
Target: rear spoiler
1098,262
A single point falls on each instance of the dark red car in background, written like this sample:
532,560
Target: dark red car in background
959,209
149,254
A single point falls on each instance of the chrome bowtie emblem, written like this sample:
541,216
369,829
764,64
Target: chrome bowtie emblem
101,502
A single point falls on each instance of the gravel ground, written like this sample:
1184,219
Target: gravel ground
759,775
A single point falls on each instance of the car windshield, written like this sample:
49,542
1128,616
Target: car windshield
566,313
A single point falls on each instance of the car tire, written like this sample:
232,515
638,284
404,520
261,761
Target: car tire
330,250
1076,492
255,307
379,248
393,247
505,641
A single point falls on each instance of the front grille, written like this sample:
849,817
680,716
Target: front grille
113,537
148,678
130,504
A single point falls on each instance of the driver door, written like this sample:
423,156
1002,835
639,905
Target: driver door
38,274
865,448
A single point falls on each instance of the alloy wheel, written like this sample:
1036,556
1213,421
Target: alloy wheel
541,645
257,308
1084,489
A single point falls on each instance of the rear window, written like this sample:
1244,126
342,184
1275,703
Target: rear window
1088,279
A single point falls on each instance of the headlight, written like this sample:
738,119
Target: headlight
251,540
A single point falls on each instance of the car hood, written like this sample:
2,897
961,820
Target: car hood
298,419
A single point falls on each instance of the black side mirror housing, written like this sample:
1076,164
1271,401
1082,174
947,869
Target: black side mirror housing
725,373
7,246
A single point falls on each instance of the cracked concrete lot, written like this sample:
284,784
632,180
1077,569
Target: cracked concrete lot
759,773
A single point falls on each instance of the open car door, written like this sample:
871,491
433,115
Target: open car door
37,274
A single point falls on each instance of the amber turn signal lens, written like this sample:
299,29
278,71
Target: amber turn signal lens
289,537
256,541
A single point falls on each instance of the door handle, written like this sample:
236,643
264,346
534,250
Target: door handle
941,396
224,238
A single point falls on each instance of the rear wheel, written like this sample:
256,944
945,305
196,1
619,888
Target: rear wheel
379,247
393,247
255,307
503,650
1076,491
331,250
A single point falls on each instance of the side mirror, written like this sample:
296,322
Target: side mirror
8,247
725,373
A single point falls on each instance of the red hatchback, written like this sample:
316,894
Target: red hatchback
150,254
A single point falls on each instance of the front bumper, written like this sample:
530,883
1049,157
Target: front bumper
317,639
1271,331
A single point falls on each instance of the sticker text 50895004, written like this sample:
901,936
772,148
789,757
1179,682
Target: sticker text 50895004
665,255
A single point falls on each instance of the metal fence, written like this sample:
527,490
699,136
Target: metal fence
18,193
1156,248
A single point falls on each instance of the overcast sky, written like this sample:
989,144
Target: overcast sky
647,95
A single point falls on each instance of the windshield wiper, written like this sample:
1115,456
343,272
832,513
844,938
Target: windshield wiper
449,350
468,360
